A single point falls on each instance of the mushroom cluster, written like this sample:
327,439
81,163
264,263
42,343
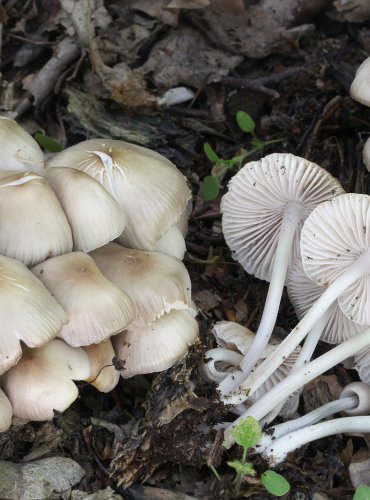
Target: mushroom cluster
289,222
71,298
360,91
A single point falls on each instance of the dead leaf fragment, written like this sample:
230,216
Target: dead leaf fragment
355,11
185,57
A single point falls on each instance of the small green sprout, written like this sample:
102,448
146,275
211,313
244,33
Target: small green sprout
212,183
362,492
247,434
48,143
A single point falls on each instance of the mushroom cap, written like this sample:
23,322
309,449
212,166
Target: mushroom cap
96,308
93,214
156,283
239,338
6,412
28,312
303,293
360,87
157,346
362,364
19,150
104,375
259,196
362,391
33,225
42,380
149,188
171,243
334,237
366,154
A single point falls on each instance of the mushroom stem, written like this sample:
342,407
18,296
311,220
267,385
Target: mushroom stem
283,253
278,451
359,268
300,377
311,341
219,354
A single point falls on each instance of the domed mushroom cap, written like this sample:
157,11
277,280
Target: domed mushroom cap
259,197
42,380
303,293
93,214
239,338
360,88
96,308
156,283
28,312
148,187
157,346
334,238
6,412
366,154
19,150
33,225
104,375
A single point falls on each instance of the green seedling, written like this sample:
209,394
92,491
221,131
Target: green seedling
362,492
48,143
248,434
212,183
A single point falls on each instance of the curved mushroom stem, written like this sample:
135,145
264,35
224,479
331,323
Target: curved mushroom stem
283,253
280,448
300,377
219,354
277,431
263,371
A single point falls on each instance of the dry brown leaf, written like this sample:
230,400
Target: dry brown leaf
355,11
185,57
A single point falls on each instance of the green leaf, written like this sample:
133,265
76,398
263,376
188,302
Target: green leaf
210,153
362,492
258,144
245,469
245,122
275,483
247,432
48,143
211,187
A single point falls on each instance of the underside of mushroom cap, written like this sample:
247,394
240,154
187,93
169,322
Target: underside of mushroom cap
33,225
303,293
28,312
19,150
42,380
156,283
260,195
148,187
360,87
93,214
96,308
157,346
334,237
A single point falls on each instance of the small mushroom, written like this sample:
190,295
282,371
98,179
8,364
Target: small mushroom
19,150
335,247
149,188
262,216
93,214
6,412
158,346
360,90
157,283
42,380
33,224
28,312
104,375
96,308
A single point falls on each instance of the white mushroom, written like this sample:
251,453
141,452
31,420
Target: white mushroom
149,188
96,308
33,224
263,212
104,375
360,90
93,214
